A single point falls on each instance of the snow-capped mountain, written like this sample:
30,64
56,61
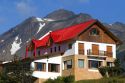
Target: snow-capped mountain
15,40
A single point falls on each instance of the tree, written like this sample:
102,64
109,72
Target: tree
112,71
19,70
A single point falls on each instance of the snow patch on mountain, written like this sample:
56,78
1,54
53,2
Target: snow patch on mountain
3,51
110,24
2,41
44,19
48,19
15,46
40,27
39,19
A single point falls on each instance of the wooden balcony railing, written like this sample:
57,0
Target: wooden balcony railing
101,53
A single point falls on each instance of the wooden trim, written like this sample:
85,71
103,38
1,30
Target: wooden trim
117,40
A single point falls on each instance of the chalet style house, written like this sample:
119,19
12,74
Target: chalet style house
77,50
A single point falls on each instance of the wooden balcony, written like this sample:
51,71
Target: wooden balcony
100,53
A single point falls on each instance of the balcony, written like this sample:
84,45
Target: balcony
100,53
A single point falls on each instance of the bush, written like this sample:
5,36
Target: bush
112,71
49,81
68,79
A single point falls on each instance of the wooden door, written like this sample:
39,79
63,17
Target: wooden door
95,49
81,48
109,51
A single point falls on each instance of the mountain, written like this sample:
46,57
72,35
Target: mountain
15,40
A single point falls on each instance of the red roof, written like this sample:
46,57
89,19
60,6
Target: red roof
42,42
64,34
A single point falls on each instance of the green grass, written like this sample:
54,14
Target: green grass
105,80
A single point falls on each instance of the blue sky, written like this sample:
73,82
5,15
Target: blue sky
13,12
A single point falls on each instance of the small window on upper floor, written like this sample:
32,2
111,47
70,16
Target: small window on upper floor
59,48
94,31
55,49
51,50
39,52
70,46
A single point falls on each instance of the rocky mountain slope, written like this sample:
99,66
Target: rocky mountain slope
15,40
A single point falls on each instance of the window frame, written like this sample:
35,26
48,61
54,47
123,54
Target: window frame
94,32
66,65
39,52
83,65
56,65
55,49
43,66
99,64
109,64
59,48
51,50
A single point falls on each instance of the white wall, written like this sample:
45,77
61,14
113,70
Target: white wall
102,46
46,74
63,48
69,51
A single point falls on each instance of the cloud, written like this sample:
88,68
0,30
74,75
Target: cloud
25,7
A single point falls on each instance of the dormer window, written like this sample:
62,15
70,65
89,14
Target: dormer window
94,32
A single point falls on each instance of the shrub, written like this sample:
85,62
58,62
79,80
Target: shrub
59,80
112,71
68,79
49,81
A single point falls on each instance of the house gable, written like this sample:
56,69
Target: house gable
102,35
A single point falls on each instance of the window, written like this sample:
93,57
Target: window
59,48
94,64
55,49
68,64
70,46
40,66
94,31
39,52
53,67
51,50
109,64
80,63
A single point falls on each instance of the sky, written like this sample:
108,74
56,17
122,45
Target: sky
13,12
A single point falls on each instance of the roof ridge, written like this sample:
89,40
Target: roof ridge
75,24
